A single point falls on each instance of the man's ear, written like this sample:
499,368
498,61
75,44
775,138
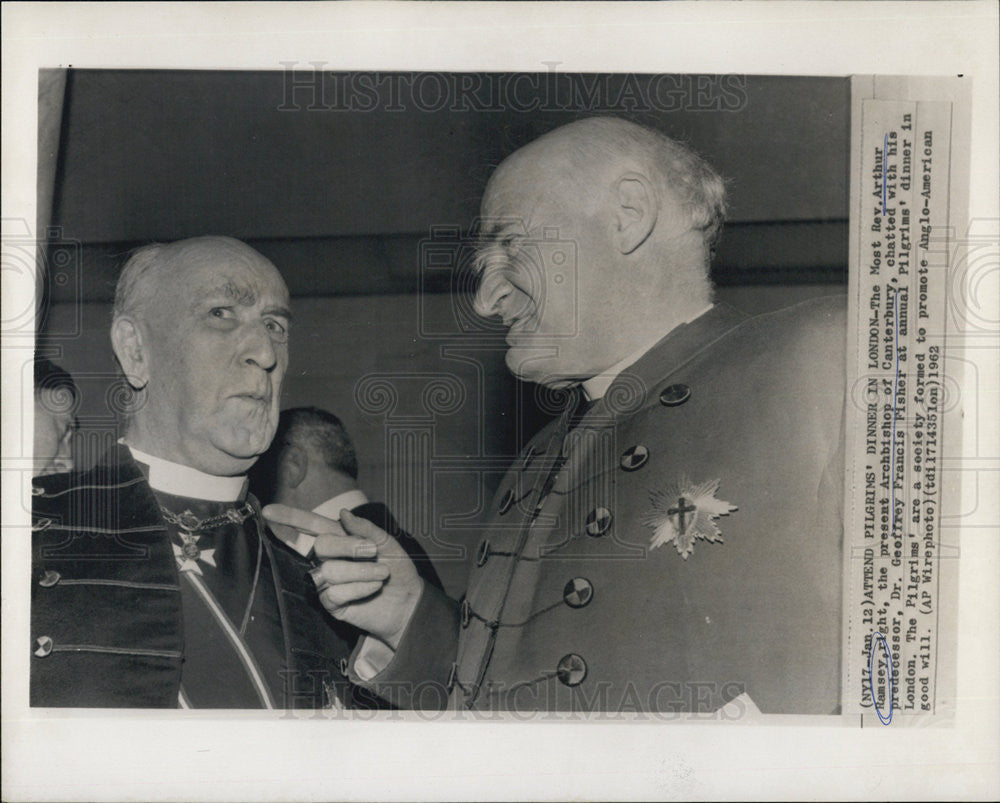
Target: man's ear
636,208
293,467
129,348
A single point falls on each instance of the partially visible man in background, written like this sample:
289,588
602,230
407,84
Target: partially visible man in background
56,400
313,465
156,582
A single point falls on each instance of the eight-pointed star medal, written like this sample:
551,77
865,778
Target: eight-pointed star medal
685,512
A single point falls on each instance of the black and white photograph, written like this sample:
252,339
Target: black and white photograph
517,377
380,401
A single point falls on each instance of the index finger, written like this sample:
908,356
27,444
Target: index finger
302,520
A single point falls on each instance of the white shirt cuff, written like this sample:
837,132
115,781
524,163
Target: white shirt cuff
373,657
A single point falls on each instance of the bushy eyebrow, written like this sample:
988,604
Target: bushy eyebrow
492,237
241,294
246,296
279,311
498,230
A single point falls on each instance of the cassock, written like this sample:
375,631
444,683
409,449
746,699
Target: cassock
155,585
674,547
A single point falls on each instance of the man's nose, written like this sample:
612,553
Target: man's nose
259,349
63,459
491,294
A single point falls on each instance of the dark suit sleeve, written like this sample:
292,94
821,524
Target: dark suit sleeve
418,677
379,515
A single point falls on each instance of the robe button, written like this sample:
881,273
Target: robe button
578,592
44,646
452,677
344,667
674,395
466,611
49,579
572,670
507,502
483,554
598,522
634,457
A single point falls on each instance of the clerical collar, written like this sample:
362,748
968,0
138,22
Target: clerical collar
349,499
179,480
595,387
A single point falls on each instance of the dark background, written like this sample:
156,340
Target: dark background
360,189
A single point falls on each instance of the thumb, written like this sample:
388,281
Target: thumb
362,528
387,546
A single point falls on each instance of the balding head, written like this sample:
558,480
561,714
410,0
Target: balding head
595,150
151,265
201,330
596,239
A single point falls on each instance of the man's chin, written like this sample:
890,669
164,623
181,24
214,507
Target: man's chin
235,455
223,463
528,366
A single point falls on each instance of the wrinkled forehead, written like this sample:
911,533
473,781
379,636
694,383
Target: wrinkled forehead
200,267
544,172
521,175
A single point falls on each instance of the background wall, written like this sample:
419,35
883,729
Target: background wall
339,187
350,202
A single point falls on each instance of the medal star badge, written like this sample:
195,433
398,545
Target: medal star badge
189,553
685,512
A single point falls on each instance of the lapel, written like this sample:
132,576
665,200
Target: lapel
379,515
636,387
587,446
108,518
118,471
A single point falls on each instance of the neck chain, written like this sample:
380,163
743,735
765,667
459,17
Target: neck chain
190,523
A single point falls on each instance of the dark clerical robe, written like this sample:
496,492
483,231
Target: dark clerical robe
146,596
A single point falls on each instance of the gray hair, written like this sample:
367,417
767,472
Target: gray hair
134,286
679,171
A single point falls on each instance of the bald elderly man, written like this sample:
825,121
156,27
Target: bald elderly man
156,582
671,542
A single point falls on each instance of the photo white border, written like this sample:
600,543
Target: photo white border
175,756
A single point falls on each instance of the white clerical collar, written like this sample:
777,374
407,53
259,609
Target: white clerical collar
595,387
179,480
349,499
